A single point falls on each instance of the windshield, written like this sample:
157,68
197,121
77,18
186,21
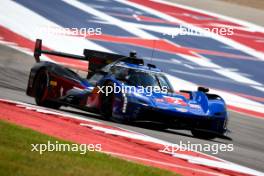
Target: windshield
134,77
138,78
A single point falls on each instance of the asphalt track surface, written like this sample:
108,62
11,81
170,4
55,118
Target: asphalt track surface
247,132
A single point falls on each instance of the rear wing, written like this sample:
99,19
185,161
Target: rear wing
38,51
97,59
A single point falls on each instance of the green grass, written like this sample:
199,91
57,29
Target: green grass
16,158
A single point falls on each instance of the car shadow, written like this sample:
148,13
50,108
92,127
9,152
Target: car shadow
144,125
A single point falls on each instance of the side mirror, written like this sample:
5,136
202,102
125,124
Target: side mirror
203,89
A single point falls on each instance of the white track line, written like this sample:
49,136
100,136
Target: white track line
201,60
27,23
163,163
123,25
222,39
134,135
250,25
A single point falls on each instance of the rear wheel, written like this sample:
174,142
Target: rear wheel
41,90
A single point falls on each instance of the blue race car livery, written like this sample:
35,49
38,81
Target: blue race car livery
124,89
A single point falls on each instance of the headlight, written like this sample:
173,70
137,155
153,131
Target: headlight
124,106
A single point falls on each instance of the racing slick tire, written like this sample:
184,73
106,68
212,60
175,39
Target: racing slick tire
106,109
203,134
41,89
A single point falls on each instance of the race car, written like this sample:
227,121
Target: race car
54,85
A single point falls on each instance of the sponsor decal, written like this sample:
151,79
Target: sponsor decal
195,106
181,109
177,101
159,100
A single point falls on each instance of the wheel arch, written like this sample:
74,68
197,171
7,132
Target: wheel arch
35,70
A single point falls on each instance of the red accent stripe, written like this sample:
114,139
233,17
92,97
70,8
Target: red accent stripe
246,112
254,98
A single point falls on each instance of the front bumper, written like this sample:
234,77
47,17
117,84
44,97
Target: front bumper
178,120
